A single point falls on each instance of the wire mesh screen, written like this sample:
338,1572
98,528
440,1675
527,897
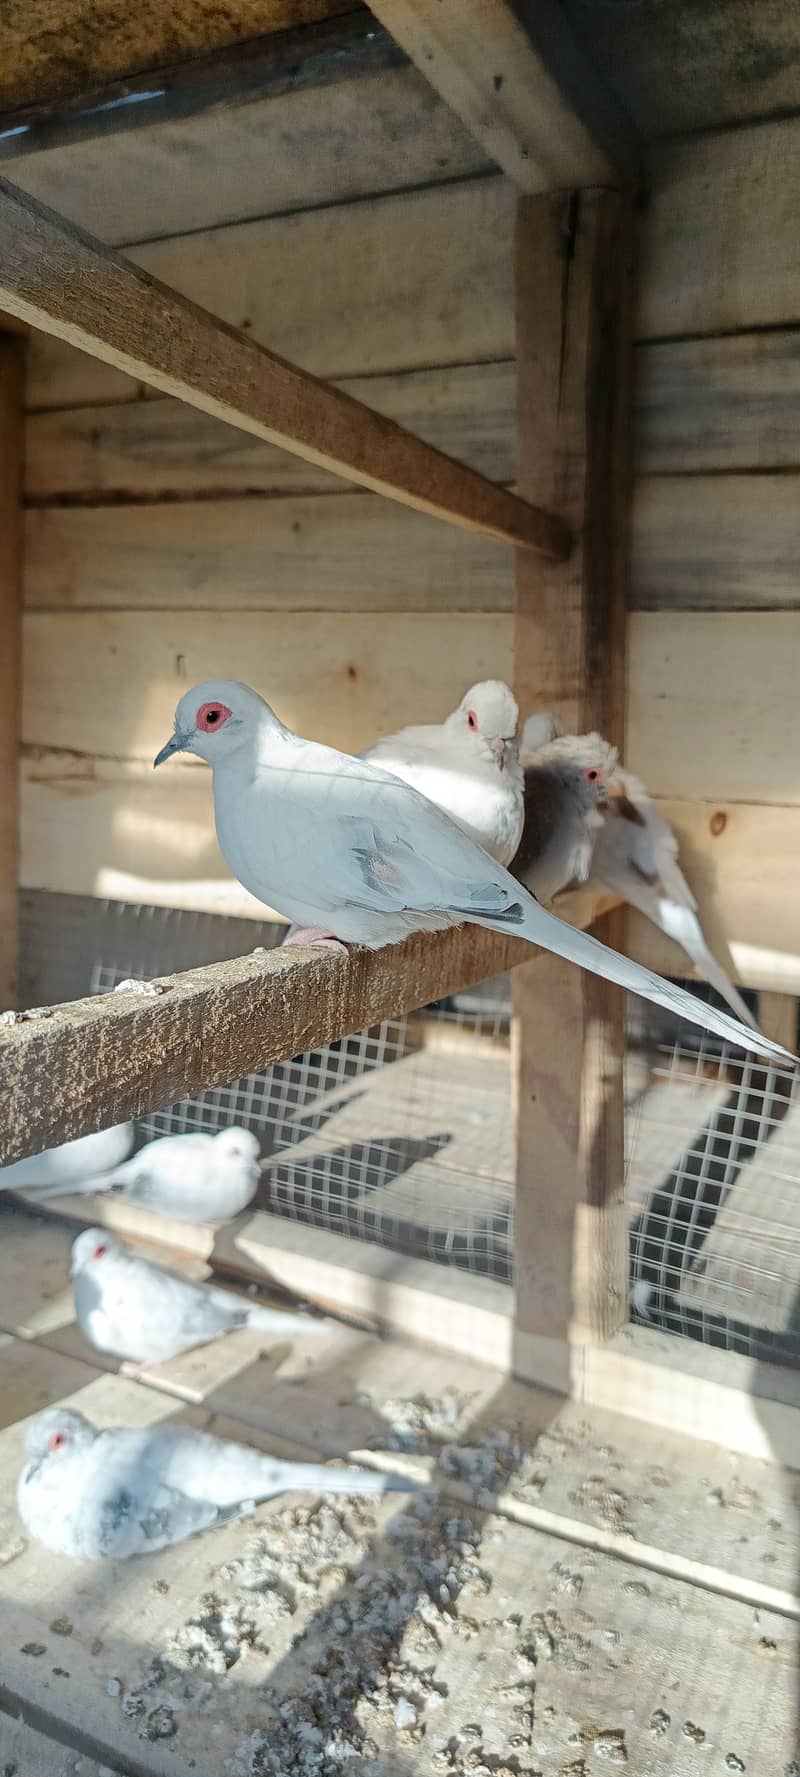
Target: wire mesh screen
402,1134
399,1135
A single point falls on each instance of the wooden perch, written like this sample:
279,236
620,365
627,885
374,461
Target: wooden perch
70,1069
60,280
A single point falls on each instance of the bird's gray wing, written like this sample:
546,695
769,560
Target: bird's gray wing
191,1312
131,1508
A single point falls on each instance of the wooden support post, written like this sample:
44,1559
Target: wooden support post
574,270
11,470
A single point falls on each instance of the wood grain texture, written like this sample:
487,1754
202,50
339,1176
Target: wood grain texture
574,270
741,860
12,450
99,1061
161,447
720,250
69,285
497,78
396,283
52,50
716,542
376,128
107,682
351,553
678,67
712,705
724,403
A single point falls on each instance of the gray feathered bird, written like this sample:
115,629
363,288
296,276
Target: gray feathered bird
135,1311
91,1493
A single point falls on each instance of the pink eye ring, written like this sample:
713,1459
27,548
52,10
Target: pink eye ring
591,774
211,716
99,1252
472,720
57,1441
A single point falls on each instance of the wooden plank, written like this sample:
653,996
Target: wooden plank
548,126
686,67
396,283
778,1016
107,682
52,50
715,542
674,1497
143,328
741,860
720,246
722,403
161,447
379,127
349,553
574,423
713,708
25,1751
12,452
118,1055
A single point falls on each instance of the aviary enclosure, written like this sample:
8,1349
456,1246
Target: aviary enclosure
556,247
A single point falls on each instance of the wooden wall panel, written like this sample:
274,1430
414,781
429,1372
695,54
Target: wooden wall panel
730,402
716,542
350,552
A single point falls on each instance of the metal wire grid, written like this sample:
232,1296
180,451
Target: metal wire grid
713,1184
384,1138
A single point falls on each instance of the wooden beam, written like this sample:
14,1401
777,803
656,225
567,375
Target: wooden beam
12,456
62,281
69,1069
573,318
518,79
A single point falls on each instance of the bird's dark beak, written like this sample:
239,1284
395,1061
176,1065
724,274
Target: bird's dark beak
177,744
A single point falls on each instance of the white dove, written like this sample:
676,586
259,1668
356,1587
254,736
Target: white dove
563,784
90,1493
136,1311
337,844
635,855
60,1171
191,1178
467,765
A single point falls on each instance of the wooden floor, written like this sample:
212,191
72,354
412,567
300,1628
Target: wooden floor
537,1626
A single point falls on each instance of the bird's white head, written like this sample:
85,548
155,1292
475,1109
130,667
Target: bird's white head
487,718
583,762
238,1144
94,1247
216,719
57,1429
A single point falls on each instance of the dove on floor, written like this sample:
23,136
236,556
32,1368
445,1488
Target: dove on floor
70,1168
634,854
94,1494
467,765
191,1178
136,1311
335,842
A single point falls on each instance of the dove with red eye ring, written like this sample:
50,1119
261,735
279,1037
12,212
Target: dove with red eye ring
337,843
134,1310
99,1495
467,765
563,784
194,1177
634,854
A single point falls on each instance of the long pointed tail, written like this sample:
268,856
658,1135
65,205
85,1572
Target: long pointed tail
684,926
66,1187
272,1320
531,921
313,1477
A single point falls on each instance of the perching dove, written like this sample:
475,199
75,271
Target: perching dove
60,1171
134,1310
563,783
467,765
192,1178
91,1493
337,844
635,855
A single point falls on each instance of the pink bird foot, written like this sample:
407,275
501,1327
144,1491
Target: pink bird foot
136,1371
317,936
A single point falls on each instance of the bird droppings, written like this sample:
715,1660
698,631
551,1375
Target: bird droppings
734,1763
160,1725
148,990
34,1648
659,1722
693,1733
61,1626
113,1688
